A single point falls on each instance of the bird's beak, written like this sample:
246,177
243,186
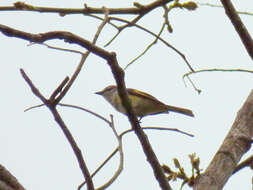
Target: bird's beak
99,92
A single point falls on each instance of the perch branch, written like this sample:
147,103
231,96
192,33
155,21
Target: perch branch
118,74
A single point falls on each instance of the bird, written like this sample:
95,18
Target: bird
143,104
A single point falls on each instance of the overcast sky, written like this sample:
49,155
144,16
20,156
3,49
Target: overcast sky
34,148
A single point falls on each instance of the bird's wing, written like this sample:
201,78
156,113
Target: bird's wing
135,92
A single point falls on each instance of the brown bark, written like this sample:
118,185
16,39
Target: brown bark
8,181
236,143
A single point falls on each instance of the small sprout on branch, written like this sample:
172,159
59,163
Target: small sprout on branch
166,19
180,174
195,163
23,6
176,163
190,5
167,169
138,5
62,14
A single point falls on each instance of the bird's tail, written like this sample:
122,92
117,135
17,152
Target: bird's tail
180,110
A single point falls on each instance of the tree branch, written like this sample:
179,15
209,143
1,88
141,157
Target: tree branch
118,74
61,35
246,163
21,6
216,70
52,107
236,143
239,26
8,181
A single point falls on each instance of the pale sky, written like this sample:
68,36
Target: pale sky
34,148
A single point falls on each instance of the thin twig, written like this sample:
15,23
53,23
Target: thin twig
32,107
62,49
120,167
126,132
121,28
100,167
217,70
119,77
211,70
166,18
147,48
58,89
119,148
160,129
88,111
84,57
121,135
76,107
35,91
114,37
161,39
58,119
193,85
131,130
220,6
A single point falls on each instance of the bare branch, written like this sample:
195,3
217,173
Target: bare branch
20,6
217,70
119,77
120,136
120,148
194,86
129,130
58,89
84,57
166,18
161,39
61,49
220,6
88,111
8,181
160,129
32,107
239,26
35,91
146,146
62,35
126,132
147,48
51,105
212,70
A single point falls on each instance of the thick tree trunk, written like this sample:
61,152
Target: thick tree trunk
236,143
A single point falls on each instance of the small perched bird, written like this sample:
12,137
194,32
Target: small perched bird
143,104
